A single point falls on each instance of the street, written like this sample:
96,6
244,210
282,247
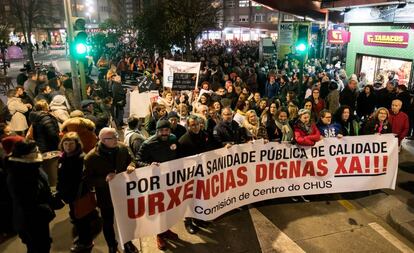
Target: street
326,224
349,222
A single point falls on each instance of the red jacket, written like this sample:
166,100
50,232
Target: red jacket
305,139
400,124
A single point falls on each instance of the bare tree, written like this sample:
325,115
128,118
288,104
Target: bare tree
31,14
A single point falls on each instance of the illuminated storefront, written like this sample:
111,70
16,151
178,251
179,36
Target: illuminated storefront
379,50
381,43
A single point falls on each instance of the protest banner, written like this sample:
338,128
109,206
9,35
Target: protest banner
140,102
205,186
182,73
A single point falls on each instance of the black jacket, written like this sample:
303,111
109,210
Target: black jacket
156,150
118,94
230,132
70,170
178,131
348,97
405,97
192,144
30,193
45,131
384,98
366,105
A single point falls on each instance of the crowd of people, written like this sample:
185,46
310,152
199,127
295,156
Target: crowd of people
238,99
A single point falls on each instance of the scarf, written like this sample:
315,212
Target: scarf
306,128
287,132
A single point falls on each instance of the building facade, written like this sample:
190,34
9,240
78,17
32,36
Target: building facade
248,20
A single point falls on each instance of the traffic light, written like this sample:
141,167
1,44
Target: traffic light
303,39
79,46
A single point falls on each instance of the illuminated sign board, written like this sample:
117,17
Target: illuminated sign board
386,39
338,36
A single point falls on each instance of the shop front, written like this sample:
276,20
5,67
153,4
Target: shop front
380,50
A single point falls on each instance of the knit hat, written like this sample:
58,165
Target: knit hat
9,142
304,111
172,114
163,124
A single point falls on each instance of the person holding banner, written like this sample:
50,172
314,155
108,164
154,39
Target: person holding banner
306,132
159,148
102,163
379,123
326,127
283,128
194,141
399,120
228,131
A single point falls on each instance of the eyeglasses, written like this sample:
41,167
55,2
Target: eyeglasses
115,137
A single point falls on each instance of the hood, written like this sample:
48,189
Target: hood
59,100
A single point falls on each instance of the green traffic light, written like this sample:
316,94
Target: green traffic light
81,48
301,47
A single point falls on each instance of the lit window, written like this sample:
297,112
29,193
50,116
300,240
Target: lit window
259,18
244,18
244,3
272,18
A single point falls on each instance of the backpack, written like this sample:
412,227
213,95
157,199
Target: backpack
5,114
131,137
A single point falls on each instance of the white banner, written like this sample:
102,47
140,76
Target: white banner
205,186
171,67
139,103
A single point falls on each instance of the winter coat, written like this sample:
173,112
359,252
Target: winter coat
133,139
271,90
69,175
192,144
271,129
366,104
156,150
405,97
348,97
45,131
17,109
384,98
372,127
85,129
60,112
30,192
318,107
178,131
306,139
229,132
118,94
332,101
400,124
101,161
350,128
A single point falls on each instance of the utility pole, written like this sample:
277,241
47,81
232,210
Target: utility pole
325,37
74,69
